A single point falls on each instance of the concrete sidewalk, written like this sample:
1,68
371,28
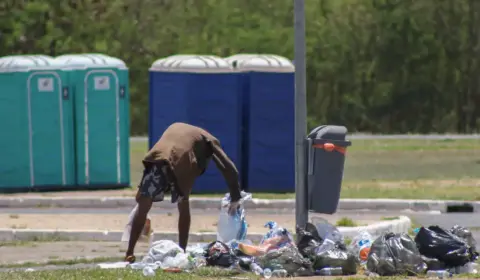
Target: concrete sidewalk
160,222
98,202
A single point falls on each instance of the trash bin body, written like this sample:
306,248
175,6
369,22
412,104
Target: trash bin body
36,116
325,155
268,96
101,89
201,91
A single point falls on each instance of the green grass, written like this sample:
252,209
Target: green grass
389,218
33,240
345,222
56,261
115,274
389,168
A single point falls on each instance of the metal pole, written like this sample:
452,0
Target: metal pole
301,211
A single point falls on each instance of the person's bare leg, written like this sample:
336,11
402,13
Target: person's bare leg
144,206
183,222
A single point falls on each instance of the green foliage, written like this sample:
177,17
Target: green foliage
373,65
346,222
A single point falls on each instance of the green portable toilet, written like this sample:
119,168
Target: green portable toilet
36,117
100,86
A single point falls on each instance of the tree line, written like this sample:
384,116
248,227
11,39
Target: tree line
389,66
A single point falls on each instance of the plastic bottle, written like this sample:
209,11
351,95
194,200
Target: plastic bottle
329,271
267,273
255,268
471,268
360,246
280,273
148,271
439,273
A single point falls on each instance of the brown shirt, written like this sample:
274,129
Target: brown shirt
188,150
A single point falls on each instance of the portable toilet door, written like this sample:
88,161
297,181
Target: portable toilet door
269,121
36,110
102,119
200,90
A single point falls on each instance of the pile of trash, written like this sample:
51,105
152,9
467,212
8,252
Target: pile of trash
320,249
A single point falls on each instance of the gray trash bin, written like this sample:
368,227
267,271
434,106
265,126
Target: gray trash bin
325,147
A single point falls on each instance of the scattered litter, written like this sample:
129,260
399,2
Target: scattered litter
219,254
439,274
319,250
276,238
232,227
329,271
113,265
360,246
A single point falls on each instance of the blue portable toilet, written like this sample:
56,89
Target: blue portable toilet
268,91
36,113
201,91
101,88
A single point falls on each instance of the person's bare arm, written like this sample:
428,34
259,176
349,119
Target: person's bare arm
228,169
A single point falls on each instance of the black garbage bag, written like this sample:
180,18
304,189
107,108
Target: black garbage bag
219,254
334,254
466,235
308,239
288,258
395,254
324,253
245,262
435,242
433,264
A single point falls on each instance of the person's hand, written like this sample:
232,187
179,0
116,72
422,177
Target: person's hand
233,207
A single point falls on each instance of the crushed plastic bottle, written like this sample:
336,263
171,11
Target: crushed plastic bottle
255,268
137,265
360,246
148,271
439,274
371,274
280,273
267,273
470,268
329,271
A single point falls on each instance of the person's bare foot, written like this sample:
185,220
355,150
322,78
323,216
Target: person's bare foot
130,259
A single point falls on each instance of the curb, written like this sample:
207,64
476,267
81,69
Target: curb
214,203
400,225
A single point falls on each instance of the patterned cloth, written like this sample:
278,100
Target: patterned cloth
156,182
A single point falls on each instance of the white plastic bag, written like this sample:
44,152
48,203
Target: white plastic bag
147,233
232,227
